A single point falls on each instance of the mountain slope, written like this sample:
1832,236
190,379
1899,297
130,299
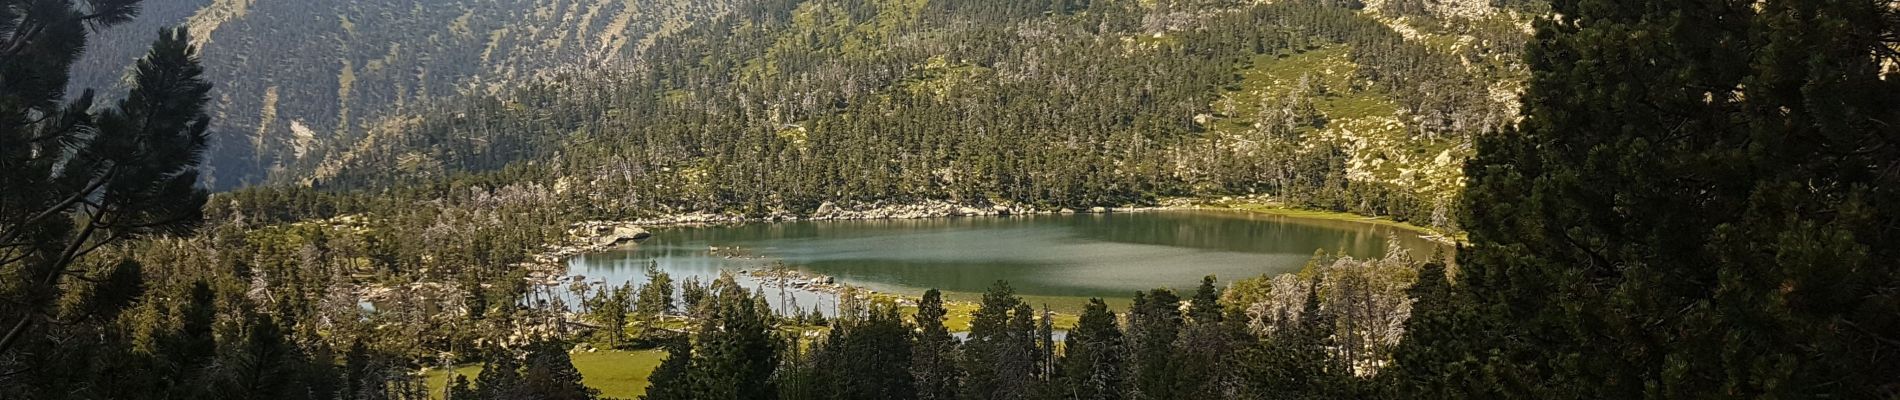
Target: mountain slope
781,106
111,52
298,79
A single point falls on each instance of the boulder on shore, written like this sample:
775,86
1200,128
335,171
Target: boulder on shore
623,234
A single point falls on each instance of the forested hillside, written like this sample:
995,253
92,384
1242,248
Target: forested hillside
438,206
1697,199
111,51
784,105
302,79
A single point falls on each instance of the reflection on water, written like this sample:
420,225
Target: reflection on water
684,262
1109,255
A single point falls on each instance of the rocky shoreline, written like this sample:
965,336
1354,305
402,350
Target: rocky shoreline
594,236
830,211
550,268
601,235
786,278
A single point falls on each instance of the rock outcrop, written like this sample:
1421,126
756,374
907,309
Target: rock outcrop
621,235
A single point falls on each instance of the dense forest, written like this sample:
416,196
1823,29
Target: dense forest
1691,199
784,105
779,106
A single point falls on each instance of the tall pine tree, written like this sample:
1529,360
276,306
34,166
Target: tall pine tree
934,361
1092,361
500,378
550,374
1427,363
737,349
998,357
671,380
79,176
1701,201
860,353
1207,348
1153,325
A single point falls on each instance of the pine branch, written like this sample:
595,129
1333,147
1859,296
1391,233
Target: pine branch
21,39
52,277
77,196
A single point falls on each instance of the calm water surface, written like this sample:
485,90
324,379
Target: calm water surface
1052,256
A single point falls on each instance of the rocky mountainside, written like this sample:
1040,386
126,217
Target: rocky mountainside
298,79
772,106
782,105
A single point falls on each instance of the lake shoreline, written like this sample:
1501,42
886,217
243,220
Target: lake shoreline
1279,209
551,266
589,236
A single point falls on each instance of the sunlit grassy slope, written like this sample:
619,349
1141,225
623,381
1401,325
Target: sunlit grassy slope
618,374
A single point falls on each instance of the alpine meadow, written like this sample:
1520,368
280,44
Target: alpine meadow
949,199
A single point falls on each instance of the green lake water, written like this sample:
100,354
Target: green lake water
1066,258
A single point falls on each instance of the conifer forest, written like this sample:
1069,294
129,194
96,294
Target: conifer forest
949,199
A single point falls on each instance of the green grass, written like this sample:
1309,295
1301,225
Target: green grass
1277,209
958,313
617,374
1277,76
1357,115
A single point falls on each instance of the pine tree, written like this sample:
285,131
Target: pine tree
611,307
858,356
998,357
1154,323
80,177
473,298
1425,366
1045,344
356,368
1698,202
1019,359
1295,361
194,344
933,363
1207,343
656,297
1205,307
261,365
500,378
737,350
550,374
1310,345
692,294
461,389
671,380
1092,366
